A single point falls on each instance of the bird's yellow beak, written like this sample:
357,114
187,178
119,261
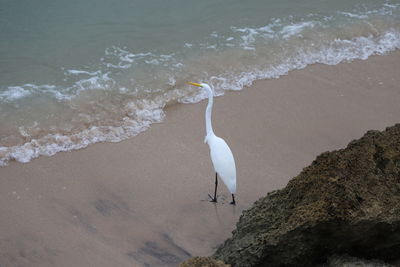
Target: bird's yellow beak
195,84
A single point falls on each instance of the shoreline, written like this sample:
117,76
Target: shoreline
144,200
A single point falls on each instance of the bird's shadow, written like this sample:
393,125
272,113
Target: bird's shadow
221,199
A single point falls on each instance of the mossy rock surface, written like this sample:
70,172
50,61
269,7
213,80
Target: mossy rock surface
346,201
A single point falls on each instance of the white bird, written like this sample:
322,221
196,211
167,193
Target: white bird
221,154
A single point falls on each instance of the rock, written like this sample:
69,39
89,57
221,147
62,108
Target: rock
203,262
347,261
345,202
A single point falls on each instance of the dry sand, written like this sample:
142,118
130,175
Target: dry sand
143,202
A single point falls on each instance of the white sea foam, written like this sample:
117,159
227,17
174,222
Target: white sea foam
13,93
352,15
77,72
142,115
119,66
331,54
296,29
153,61
148,112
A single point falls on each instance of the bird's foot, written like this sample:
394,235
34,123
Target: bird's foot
233,200
213,199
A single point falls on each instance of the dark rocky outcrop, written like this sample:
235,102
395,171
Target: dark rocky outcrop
347,261
203,262
345,202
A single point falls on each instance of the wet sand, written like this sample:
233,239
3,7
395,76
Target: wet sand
143,201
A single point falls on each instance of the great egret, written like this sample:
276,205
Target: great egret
221,154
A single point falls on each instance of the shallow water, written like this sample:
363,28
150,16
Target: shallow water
73,73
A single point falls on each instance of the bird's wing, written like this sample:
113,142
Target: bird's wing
223,161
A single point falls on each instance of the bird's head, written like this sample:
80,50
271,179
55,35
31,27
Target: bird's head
202,85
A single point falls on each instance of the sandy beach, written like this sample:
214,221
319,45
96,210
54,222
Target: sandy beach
144,201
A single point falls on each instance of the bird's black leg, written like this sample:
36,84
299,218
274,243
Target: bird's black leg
233,200
215,192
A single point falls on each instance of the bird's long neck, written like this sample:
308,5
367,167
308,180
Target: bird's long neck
209,128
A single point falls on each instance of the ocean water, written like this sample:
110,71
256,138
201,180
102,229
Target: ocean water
73,73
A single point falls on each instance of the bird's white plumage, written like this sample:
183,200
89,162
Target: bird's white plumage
221,154
223,161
